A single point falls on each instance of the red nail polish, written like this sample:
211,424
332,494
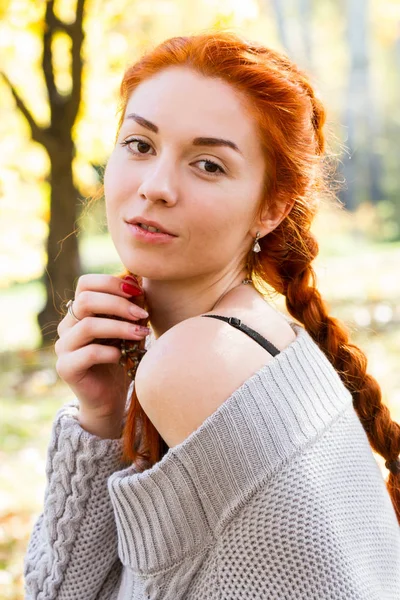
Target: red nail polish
131,278
131,290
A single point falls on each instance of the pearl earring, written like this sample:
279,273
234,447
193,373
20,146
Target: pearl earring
256,246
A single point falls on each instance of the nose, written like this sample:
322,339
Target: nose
159,183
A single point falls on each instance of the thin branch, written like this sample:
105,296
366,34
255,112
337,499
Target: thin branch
77,37
60,25
38,133
50,25
79,13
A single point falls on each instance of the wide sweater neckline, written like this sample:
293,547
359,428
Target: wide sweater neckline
180,505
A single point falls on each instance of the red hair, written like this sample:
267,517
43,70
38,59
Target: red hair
290,118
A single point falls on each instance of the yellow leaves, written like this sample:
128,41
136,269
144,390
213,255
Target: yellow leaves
386,17
4,6
223,21
234,13
65,10
61,51
86,177
21,13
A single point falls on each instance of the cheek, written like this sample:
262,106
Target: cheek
215,226
226,235
119,184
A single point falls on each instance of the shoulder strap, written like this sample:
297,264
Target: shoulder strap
250,332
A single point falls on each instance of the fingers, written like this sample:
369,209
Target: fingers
100,283
89,303
106,313
97,296
92,328
102,294
70,367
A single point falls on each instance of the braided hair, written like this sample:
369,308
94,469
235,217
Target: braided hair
291,120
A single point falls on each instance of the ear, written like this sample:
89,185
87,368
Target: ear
270,217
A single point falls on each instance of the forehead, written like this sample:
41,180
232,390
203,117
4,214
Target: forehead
180,100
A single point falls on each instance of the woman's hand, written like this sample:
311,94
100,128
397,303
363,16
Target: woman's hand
91,369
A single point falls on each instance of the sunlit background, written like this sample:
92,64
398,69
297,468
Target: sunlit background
350,48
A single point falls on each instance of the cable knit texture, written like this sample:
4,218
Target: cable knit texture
78,521
276,495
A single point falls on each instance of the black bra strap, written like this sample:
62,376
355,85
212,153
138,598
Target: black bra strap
253,334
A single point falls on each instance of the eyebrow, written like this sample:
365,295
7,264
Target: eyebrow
199,141
142,121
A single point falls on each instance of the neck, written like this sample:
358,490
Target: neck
170,302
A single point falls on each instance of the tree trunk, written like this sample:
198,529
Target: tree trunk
63,262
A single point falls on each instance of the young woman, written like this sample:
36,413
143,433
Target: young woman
242,466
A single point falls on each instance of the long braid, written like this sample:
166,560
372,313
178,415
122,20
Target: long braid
289,251
290,120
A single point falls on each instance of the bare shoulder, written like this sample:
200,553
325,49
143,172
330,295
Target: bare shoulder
197,364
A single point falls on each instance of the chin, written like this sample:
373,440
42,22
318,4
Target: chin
154,267
147,272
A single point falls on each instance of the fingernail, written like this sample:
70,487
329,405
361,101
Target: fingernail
131,290
131,278
140,329
143,329
137,311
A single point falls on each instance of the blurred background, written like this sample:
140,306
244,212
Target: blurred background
61,63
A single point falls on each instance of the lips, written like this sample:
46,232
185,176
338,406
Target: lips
142,220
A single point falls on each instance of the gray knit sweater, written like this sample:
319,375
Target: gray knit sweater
277,495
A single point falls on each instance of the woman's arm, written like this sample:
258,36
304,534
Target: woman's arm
72,551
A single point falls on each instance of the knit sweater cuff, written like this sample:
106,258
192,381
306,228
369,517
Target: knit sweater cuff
78,466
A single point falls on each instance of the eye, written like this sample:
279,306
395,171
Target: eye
216,169
142,145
